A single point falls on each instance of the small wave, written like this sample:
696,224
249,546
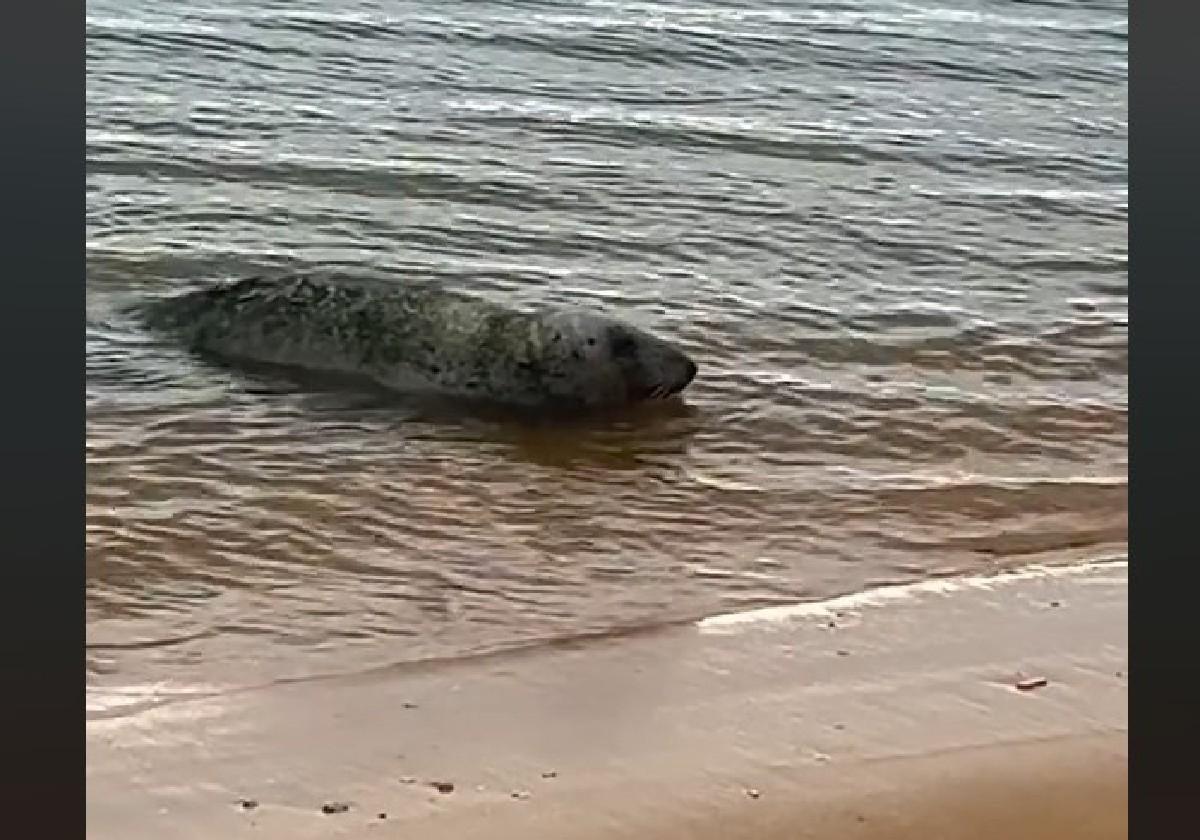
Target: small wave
107,702
858,601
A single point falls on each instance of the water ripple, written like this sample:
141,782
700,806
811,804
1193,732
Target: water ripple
891,231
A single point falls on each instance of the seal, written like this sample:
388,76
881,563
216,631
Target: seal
417,337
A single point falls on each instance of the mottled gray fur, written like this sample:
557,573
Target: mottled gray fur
417,337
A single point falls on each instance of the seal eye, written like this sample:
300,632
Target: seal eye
623,344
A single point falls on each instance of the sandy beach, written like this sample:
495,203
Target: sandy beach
978,707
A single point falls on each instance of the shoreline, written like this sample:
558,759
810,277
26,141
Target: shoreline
108,701
889,713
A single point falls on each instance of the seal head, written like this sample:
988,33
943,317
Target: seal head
612,362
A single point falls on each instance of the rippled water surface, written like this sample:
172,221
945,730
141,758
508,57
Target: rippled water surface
893,234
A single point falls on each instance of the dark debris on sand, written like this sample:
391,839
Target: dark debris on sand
1030,683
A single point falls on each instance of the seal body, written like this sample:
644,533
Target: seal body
420,338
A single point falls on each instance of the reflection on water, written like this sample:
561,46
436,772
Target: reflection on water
891,234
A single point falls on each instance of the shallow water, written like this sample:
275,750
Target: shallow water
893,235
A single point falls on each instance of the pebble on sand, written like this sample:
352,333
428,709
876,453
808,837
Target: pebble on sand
248,804
1030,683
442,787
753,793
334,808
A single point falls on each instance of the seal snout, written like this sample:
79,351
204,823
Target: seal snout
689,373
686,373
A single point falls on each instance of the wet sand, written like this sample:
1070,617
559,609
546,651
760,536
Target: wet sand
894,713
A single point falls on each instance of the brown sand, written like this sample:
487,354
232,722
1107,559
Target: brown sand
890,715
